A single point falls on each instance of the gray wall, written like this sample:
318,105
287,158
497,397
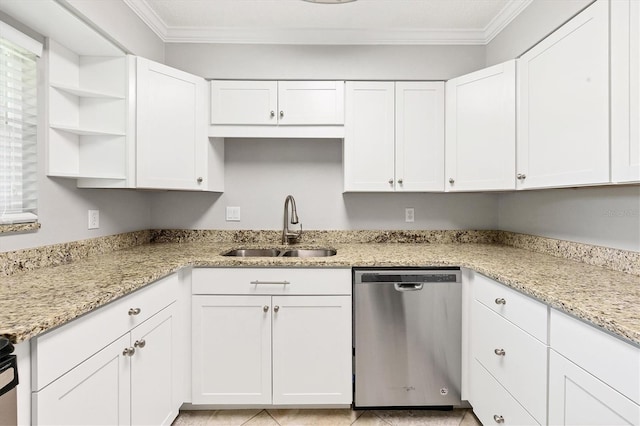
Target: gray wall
236,61
260,173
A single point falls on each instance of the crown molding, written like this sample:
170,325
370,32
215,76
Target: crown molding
317,36
504,18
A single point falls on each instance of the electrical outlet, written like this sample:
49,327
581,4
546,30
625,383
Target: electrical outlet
94,219
409,214
233,214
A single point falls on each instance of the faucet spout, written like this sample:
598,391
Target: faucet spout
289,237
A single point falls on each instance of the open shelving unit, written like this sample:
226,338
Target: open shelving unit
88,128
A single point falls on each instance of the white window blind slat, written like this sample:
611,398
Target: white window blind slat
18,137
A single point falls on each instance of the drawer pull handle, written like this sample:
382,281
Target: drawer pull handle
128,351
134,311
498,419
140,343
265,308
499,352
500,301
256,282
276,308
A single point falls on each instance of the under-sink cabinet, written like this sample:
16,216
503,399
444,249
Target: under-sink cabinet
271,336
126,373
508,363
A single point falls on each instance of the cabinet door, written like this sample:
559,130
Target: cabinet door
171,144
563,115
244,102
310,102
419,136
96,392
152,366
578,398
231,357
312,350
369,136
481,130
625,91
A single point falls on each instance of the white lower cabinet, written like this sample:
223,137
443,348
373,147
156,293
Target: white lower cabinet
508,365
131,380
272,345
594,378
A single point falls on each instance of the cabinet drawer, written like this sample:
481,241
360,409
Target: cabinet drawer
613,361
525,312
63,348
491,401
278,281
522,370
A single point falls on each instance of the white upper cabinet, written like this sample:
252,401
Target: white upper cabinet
481,130
419,138
310,102
394,136
563,109
625,91
244,102
173,151
242,108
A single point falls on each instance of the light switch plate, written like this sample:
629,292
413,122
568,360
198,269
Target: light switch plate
233,214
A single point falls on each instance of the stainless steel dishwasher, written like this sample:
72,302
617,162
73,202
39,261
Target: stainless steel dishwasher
407,337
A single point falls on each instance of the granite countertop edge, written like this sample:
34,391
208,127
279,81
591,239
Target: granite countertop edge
35,302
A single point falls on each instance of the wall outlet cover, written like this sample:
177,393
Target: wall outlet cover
409,214
94,219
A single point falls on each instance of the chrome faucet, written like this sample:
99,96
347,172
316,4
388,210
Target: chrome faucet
289,237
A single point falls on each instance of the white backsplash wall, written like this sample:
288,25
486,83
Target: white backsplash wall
607,216
260,173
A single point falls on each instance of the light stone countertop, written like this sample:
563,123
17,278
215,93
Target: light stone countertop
36,301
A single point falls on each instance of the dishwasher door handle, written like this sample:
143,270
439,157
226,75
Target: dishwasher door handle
408,286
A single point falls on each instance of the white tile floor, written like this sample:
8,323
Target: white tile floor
328,417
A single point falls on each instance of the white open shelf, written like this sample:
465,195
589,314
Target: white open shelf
84,93
84,132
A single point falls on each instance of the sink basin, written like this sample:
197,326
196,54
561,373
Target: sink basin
309,253
281,253
253,253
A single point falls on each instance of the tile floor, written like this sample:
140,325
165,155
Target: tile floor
335,417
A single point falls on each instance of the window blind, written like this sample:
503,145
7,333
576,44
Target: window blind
18,125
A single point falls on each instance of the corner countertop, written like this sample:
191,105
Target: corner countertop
36,301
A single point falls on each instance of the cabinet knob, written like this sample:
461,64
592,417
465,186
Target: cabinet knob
498,419
521,176
272,114
451,181
134,311
499,352
276,308
400,181
140,343
390,181
128,351
200,180
500,301
265,308
281,114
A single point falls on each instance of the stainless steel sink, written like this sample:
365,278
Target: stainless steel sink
309,253
281,253
253,253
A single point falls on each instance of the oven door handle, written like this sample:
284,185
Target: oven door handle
408,286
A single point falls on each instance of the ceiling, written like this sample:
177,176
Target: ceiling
302,22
